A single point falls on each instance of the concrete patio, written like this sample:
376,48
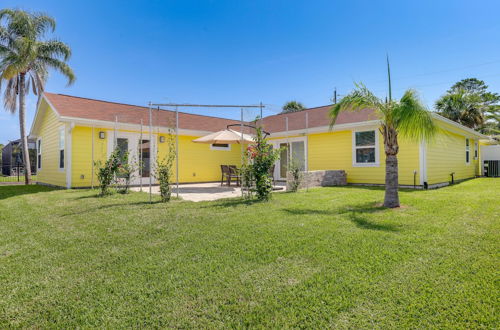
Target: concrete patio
197,192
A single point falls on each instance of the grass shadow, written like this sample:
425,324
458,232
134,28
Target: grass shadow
232,202
363,223
354,213
8,191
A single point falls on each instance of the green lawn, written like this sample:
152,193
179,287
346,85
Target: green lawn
324,258
14,178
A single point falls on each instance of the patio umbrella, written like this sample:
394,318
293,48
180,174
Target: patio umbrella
228,136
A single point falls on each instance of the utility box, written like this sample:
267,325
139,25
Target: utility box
490,156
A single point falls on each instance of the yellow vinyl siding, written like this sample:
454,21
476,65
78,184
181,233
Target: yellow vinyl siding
446,154
333,151
81,174
198,163
49,134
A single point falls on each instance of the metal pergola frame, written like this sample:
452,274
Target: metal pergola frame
176,107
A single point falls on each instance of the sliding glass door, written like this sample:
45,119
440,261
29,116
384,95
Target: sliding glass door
291,152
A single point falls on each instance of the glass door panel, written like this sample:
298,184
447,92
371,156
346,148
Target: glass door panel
145,158
299,154
283,159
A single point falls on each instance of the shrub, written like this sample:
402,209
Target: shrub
163,171
263,156
296,176
106,172
125,171
247,179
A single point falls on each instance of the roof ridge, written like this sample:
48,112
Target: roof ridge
138,106
98,100
288,113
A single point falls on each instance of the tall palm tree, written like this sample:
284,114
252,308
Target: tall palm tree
407,118
24,62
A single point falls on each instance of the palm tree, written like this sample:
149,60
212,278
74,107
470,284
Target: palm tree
24,62
406,117
292,106
462,107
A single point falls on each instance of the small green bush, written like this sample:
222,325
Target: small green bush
106,172
164,169
263,157
296,176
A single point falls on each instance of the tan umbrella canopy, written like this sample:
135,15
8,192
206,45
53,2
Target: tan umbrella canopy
228,136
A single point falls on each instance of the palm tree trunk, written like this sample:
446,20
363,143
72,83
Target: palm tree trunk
391,166
391,181
22,125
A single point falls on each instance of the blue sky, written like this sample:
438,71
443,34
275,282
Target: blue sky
271,51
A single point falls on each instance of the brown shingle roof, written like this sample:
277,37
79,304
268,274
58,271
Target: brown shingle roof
317,117
79,107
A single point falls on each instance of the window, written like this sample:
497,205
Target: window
365,152
467,151
220,146
61,148
476,151
39,154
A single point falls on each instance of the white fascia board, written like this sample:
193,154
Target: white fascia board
128,126
324,129
472,133
51,106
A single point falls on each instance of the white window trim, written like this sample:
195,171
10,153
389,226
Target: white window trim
467,150
354,148
38,153
476,150
62,132
228,148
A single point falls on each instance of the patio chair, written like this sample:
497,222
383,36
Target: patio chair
228,173
234,175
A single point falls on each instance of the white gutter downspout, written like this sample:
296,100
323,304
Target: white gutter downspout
69,155
423,162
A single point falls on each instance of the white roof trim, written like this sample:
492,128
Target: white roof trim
457,125
38,110
111,125
324,129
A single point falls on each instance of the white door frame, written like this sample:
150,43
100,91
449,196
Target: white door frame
276,145
133,149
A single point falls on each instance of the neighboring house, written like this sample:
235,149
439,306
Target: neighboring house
72,133
12,157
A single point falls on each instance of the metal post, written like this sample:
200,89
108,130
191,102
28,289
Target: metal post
288,148
140,158
150,151
306,151
260,106
177,149
241,149
92,168
114,133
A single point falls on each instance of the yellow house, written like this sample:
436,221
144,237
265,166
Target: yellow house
72,133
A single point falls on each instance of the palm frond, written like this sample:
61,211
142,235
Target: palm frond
411,119
54,48
360,98
10,95
60,66
43,22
